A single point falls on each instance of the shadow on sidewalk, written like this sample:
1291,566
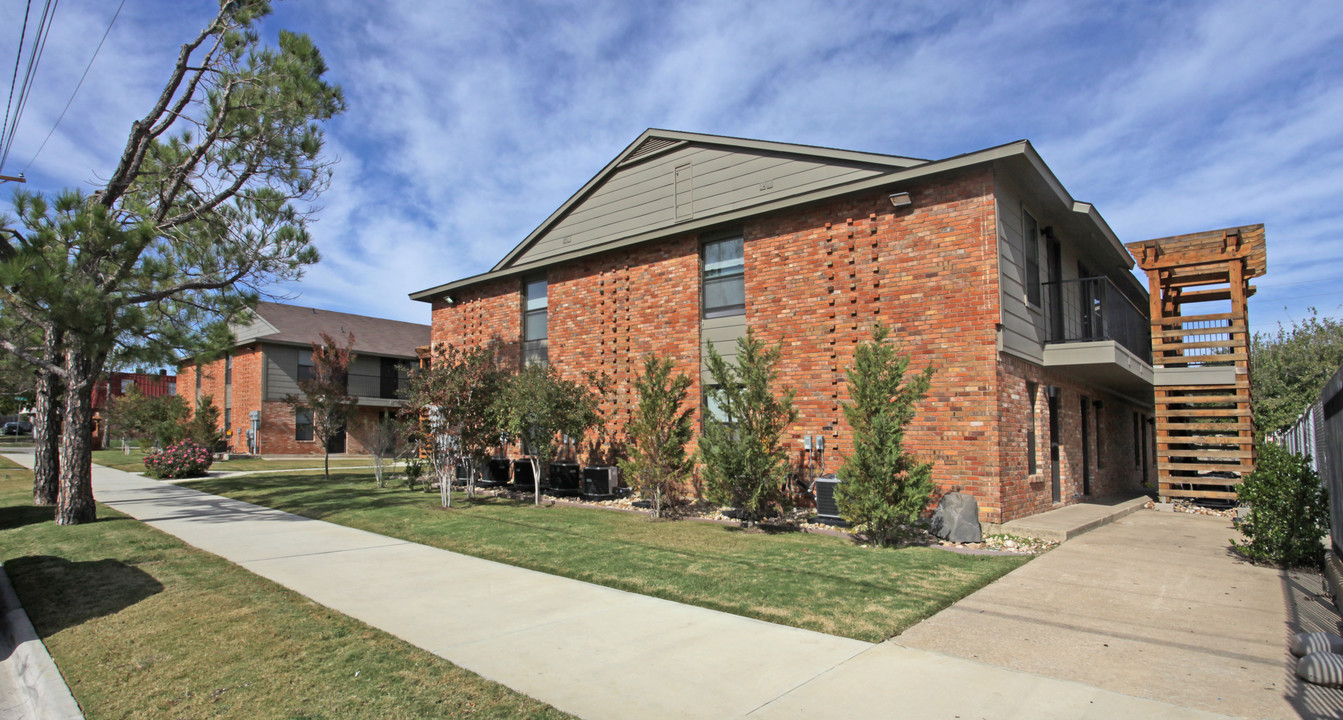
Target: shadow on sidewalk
58,593
1309,609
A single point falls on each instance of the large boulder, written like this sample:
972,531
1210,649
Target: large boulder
957,519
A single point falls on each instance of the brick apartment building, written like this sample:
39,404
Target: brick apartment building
982,264
271,354
116,384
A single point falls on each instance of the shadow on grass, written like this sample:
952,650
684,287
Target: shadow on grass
16,516
58,593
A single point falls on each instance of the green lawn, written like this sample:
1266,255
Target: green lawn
134,462
805,580
143,626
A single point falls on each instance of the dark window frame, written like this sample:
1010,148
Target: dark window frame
732,275
303,419
305,369
1030,249
535,347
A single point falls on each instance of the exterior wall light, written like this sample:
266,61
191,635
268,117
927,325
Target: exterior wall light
900,200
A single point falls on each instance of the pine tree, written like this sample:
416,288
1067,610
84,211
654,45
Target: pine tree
882,487
745,462
658,431
207,204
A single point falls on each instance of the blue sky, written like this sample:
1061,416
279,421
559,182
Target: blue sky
470,122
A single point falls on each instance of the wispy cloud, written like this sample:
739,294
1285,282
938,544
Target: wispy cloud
470,122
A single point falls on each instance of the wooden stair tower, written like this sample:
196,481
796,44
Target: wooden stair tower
1198,286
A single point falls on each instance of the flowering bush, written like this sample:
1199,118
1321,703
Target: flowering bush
183,459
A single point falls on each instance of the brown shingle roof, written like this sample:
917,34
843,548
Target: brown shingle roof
296,325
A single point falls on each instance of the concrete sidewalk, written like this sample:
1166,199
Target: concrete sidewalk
594,651
1153,605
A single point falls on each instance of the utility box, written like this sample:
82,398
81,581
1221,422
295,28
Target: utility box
497,472
565,478
823,491
600,480
523,477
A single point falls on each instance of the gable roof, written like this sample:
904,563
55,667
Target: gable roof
644,182
296,325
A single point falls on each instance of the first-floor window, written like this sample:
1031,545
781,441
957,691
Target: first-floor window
1031,467
302,425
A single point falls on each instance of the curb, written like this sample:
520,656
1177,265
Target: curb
42,690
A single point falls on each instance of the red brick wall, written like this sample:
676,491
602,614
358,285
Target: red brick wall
817,279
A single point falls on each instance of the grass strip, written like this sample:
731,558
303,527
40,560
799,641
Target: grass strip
134,462
810,581
144,626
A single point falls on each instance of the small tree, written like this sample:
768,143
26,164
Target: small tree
452,401
382,438
536,406
745,463
658,431
155,421
203,427
326,397
1289,510
1291,366
883,486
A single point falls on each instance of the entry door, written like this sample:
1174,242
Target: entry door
1054,469
1086,446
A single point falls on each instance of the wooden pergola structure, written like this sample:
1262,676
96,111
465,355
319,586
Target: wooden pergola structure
1198,286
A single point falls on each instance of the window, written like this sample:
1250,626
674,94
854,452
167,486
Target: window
1031,467
1030,248
305,371
724,278
302,425
228,370
199,370
534,322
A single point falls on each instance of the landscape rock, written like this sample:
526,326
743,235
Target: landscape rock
957,519
1321,668
1309,643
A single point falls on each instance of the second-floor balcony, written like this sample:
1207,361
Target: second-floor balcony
1098,331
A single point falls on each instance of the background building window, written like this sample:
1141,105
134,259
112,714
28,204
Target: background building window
305,371
724,278
534,322
302,425
1030,248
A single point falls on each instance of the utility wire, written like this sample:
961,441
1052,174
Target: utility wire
13,80
30,72
77,86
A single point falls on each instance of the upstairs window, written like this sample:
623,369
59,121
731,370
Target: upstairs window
228,370
1030,248
534,322
305,371
724,278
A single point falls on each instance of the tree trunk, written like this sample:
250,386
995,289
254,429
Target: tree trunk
74,502
536,479
47,425
326,461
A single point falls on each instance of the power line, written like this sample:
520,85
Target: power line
30,72
77,86
13,80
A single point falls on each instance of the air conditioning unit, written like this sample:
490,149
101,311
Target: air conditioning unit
463,473
522,475
565,478
600,480
497,472
823,490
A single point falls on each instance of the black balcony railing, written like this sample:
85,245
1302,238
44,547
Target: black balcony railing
1093,308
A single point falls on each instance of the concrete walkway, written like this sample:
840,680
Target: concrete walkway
598,652
1070,521
1152,605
